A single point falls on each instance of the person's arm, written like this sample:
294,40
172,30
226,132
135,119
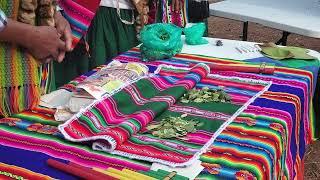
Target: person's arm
17,33
41,41
63,27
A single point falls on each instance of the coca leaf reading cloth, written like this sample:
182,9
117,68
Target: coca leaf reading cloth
118,123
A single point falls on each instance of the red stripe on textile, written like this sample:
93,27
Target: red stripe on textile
91,5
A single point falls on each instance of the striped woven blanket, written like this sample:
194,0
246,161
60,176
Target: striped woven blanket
266,141
117,124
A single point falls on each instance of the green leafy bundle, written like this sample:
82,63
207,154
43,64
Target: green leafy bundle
205,95
171,127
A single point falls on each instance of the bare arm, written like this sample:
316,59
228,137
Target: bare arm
17,33
41,41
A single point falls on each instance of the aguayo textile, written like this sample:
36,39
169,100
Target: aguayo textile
272,132
116,124
79,14
266,141
22,79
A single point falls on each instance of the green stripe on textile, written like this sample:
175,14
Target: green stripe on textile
195,146
88,122
146,84
100,117
158,145
127,127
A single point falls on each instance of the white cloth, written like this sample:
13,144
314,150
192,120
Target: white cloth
123,4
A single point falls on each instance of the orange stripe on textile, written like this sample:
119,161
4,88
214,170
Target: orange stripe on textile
14,172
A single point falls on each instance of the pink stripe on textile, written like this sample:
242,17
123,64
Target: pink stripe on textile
77,12
67,152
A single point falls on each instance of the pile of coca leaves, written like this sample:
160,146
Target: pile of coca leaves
173,127
205,95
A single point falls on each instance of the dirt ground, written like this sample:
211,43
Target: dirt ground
230,29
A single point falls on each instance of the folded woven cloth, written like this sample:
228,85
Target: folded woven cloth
79,14
119,124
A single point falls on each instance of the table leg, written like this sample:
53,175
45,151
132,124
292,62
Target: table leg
316,105
284,38
245,31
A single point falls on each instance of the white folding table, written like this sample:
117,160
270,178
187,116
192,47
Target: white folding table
291,16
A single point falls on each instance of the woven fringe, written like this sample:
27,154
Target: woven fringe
17,99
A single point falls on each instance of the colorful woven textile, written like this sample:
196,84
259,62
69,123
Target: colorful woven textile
14,172
266,141
19,73
116,124
304,74
79,14
283,115
22,80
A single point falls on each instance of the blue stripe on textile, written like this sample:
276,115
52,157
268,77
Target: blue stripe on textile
33,161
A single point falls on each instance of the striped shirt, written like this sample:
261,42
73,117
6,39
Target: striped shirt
3,20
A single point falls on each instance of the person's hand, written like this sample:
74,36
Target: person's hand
176,5
44,43
63,28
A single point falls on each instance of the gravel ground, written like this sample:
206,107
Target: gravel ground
230,29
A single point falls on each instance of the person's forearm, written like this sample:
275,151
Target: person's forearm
17,33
